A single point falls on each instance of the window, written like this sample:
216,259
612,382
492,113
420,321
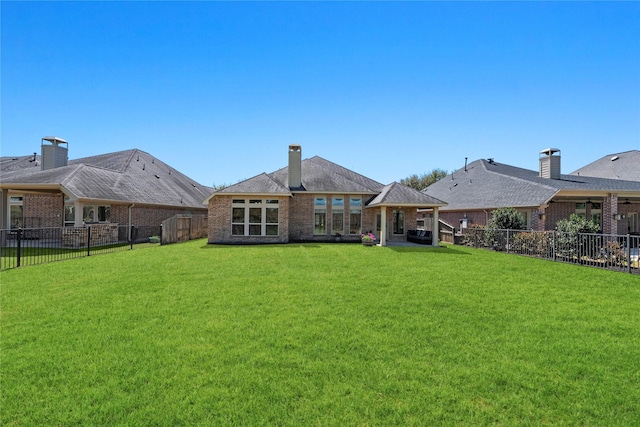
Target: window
104,213
596,213
337,215
69,215
355,215
258,217
581,210
16,211
398,222
632,222
91,214
320,215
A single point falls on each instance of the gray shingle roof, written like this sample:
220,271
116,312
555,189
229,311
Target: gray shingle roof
14,163
259,184
401,195
489,185
318,176
624,165
131,176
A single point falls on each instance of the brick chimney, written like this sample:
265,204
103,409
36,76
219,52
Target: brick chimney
550,163
295,166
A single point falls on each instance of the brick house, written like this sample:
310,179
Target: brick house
546,196
128,187
313,200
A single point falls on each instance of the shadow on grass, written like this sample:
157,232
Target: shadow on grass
262,245
440,250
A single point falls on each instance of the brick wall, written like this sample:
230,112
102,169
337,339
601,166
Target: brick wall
220,211
622,225
47,210
43,210
296,220
473,218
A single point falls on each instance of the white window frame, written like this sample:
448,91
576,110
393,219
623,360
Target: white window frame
355,208
337,208
16,200
320,213
250,227
94,217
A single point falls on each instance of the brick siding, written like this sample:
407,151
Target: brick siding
47,210
42,210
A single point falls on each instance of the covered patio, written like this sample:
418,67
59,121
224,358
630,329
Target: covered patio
397,207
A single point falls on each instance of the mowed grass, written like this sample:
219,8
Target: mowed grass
332,334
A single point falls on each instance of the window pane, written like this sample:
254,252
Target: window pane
355,221
320,222
320,201
255,202
272,202
355,201
69,213
398,222
238,215
255,215
238,201
337,201
237,229
255,230
104,213
88,214
16,216
272,216
337,222
272,230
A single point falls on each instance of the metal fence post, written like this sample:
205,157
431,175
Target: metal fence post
553,243
507,240
629,253
88,241
131,236
18,246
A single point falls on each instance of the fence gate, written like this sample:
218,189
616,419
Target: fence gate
183,228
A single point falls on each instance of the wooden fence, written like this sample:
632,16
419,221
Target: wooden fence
180,228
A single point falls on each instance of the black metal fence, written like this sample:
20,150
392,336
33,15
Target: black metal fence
608,251
31,246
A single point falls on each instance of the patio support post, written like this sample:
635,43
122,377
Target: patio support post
383,226
436,228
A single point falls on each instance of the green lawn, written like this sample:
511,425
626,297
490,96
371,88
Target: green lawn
327,334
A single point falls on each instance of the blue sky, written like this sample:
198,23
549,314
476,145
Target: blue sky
219,90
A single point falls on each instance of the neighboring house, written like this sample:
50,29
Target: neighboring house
314,200
127,188
615,166
542,197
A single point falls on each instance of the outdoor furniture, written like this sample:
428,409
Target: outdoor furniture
423,237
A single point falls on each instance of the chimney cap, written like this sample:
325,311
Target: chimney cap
295,148
54,139
550,151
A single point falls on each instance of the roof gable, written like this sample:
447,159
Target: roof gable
322,176
401,195
262,184
131,176
487,185
624,166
